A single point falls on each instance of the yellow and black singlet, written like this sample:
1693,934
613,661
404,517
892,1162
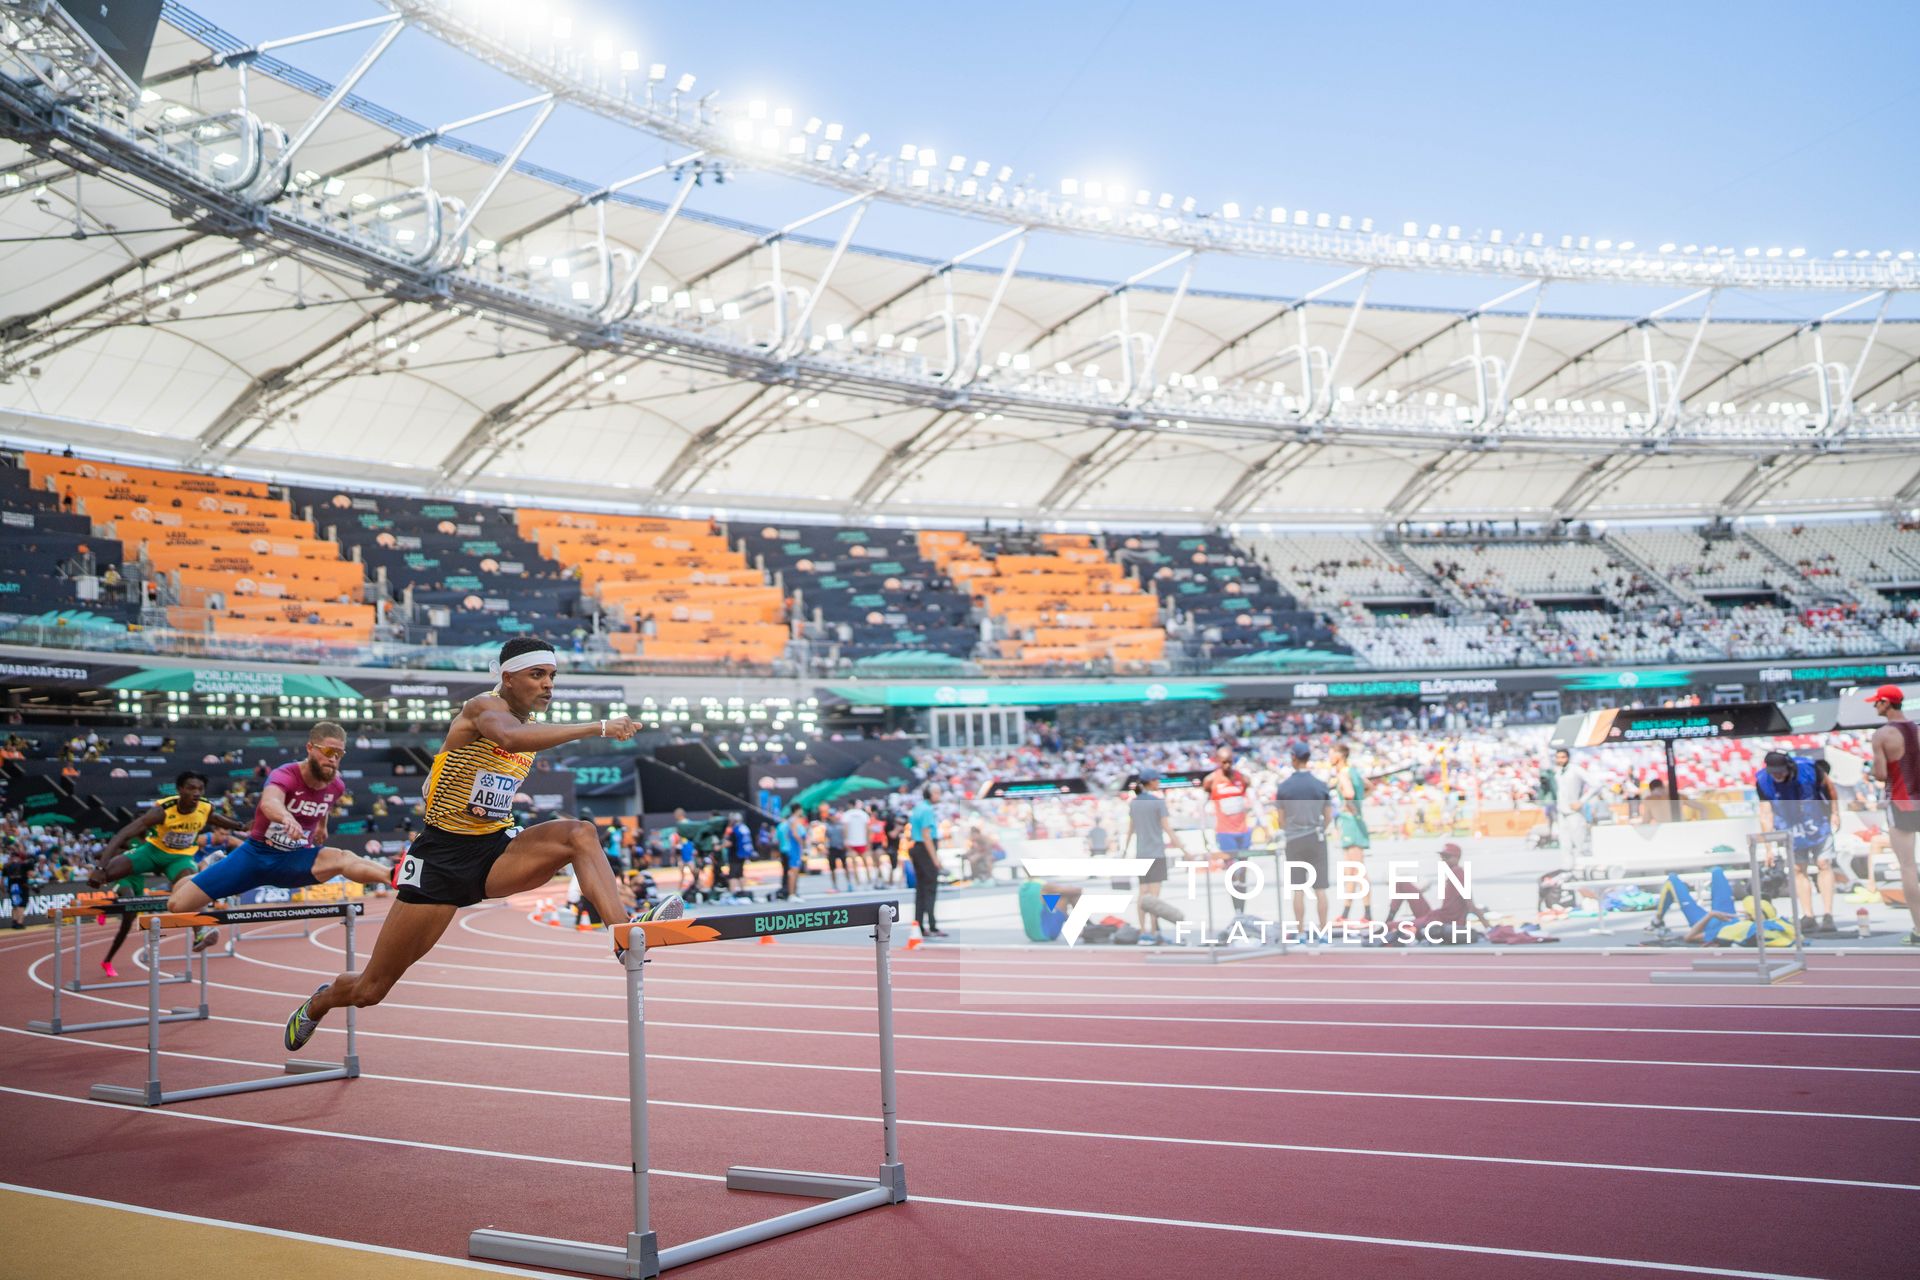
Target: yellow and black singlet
470,789
179,828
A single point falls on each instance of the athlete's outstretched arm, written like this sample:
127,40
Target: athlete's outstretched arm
222,822
273,803
104,870
490,717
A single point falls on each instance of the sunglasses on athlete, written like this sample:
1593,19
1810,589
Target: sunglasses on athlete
331,753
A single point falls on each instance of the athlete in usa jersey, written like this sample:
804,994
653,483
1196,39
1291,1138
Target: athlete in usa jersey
285,846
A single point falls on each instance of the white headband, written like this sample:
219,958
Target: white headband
521,661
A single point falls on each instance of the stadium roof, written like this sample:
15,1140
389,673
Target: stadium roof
414,312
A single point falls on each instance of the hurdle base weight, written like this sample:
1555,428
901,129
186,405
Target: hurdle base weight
567,1255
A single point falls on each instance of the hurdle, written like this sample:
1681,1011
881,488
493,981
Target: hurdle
59,1026
299,1071
116,907
1211,952
641,1258
1764,969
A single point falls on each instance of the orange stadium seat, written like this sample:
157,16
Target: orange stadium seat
705,602
1071,605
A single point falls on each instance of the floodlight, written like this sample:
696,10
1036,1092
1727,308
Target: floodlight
834,132
1069,186
657,72
629,60
1230,210
926,157
908,151
684,85
333,186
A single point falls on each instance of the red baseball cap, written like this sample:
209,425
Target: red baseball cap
1449,850
1888,693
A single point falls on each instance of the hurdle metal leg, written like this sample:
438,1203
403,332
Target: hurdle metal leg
298,1070
79,939
641,1258
1211,952
59,1026
233,939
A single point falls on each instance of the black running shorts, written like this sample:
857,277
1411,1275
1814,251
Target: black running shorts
450,870
1903,819
1311,850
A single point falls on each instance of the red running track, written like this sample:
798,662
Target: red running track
1067,1115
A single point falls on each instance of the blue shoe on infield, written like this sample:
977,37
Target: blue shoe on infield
671,907
302,1025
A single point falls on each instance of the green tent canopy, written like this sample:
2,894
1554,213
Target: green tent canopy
832,789
1291,660
882,664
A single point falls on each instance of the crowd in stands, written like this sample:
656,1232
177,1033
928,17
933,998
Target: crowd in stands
338,572
1419,783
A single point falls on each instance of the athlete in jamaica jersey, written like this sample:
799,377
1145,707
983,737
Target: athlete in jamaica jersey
160,842
470,848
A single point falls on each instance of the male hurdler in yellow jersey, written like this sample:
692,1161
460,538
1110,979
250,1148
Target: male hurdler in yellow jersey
471,848
160,842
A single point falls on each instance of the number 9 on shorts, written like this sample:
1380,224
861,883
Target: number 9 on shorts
410,869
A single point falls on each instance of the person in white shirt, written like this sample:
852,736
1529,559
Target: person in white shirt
1573,789
855,823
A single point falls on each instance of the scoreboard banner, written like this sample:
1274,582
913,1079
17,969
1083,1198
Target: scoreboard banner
1617,725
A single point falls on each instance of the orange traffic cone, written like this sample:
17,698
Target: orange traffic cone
766,939
913,936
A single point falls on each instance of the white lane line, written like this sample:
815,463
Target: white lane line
478,989
1083,1214
1175,978
1333,957
1002,1128
1342,1001
1032,995
960,1075
1273,1090
294,997
445,1260
751,964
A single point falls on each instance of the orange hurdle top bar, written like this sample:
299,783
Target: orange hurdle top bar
112,907
247,915
750,924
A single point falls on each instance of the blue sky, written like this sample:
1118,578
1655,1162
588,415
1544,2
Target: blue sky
1756,123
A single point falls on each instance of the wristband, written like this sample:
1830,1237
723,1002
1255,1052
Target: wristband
603,728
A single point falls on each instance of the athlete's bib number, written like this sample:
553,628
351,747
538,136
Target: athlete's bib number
410,869
1233,804
179,840
492,795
